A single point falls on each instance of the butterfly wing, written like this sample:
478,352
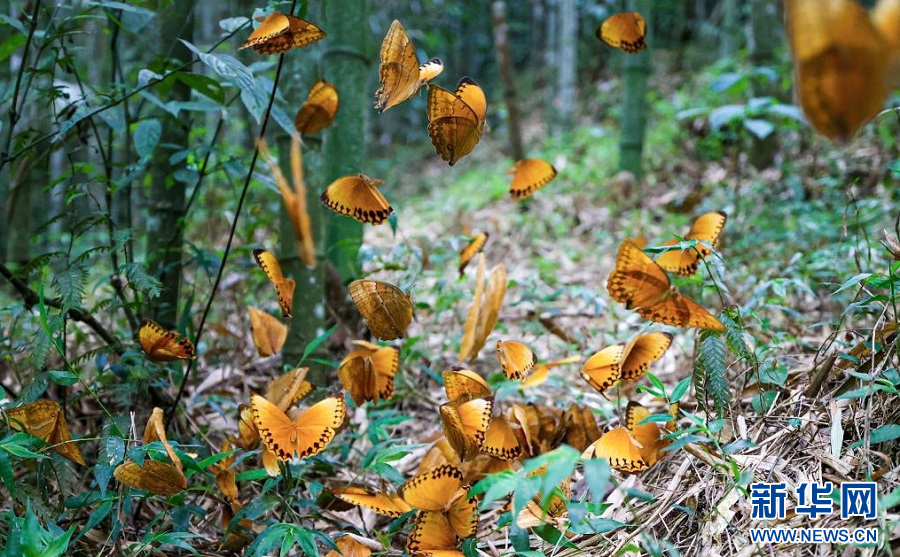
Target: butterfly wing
462,382
841,63
386,505
283,286
620,449
456,120
156,477
163,345
305,436
319,110
603,369
465,424
530,175
357,375
357,196
642,351
280,33
500,441
289,389
432,535
516,359
680,311
647,434
472,248
706,228
637,280
387,309
624,31
580,426
267,331
463,516
386,362
433,490
399,70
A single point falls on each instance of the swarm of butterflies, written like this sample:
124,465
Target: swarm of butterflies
842,83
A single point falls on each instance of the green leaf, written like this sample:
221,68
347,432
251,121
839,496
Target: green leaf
680,389
18,444
596,475
63,377
710,376
203,84
59,545
881,434
316,342
7,475
146,136
10,45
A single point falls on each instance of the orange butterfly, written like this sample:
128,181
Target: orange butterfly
154,476
649,435
465,422
441,490
387,309
500,441
45,420
384,504
268,332
294,200
533,515
281,32
539,427
284,286
456,120
161,478
464,382
225,473
624,361
305,435
432,536
368,371
580,426
706,228
163,345
530,175
841,64
471,250
624,31
516,359
317,113
357,196
350,545
485,309
621,449
400,73
642,285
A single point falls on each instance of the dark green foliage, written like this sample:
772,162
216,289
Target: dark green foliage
714,390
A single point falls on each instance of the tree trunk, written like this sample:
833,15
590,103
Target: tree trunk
568,36
728,46
765,28
551,59
165,227
634,102
504,64
346,65
309,296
